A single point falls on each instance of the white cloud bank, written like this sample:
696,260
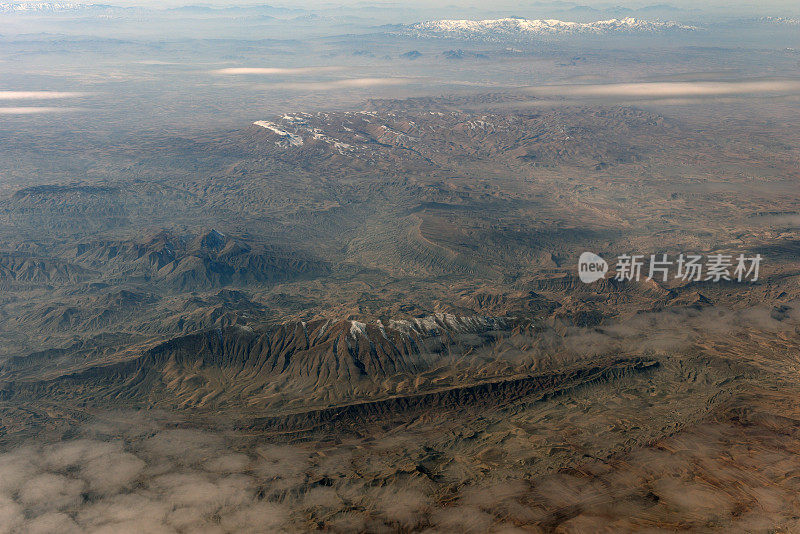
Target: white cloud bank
669,89
35,110
39,95
276,71
335,85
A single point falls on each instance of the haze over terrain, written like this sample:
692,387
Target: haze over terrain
315,267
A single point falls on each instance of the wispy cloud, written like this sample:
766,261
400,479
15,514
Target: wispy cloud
34,110
669,89
39,95
334,85
155,62
277,71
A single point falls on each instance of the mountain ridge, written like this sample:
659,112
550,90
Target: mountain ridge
519,28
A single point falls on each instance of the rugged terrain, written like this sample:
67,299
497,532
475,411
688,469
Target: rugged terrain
371,320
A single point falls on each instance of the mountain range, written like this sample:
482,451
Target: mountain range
520,28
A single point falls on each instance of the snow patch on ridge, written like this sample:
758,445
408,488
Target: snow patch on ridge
40,7
299,123
290,139
357,328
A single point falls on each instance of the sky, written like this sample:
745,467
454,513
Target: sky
769,6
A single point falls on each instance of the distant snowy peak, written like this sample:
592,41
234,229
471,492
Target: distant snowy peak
516,28
41,7
780,20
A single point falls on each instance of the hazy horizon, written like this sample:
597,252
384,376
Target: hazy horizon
348,267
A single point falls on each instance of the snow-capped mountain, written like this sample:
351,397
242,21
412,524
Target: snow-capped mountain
517,28
67,9
43,7
784,21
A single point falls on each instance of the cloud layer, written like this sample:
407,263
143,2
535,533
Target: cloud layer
336,85
148,472
669,89
35,110
39,95
277,71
